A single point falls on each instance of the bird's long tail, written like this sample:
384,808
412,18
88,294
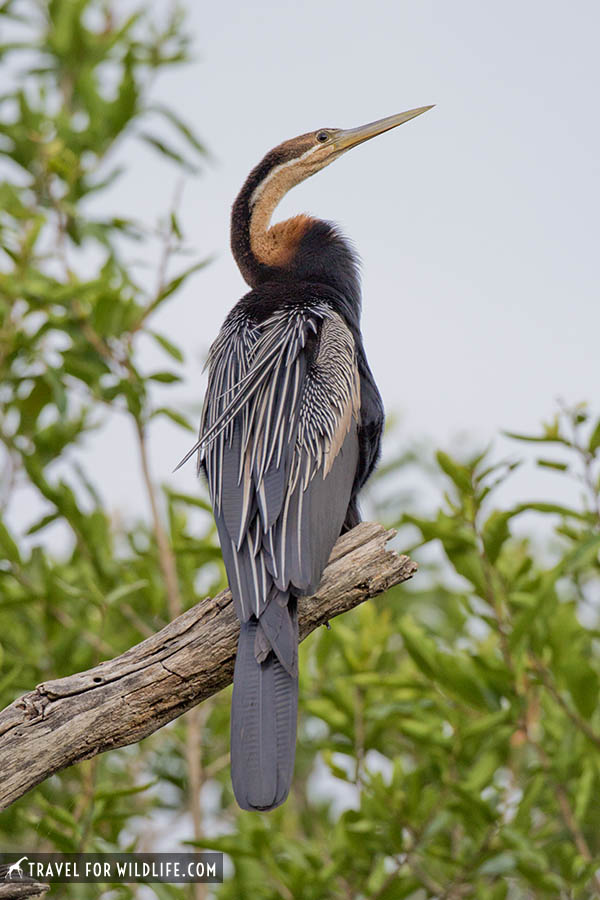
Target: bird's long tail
264,707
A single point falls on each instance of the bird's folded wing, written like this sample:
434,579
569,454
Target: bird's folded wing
279,446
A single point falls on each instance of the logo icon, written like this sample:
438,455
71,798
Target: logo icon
15,869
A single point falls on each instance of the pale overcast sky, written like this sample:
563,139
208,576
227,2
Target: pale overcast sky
477,223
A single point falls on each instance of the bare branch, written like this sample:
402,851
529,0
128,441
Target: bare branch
18,890
125,699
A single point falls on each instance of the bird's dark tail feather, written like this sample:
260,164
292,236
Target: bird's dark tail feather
264,712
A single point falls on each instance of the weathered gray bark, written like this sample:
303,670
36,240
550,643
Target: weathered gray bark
127,698
19,890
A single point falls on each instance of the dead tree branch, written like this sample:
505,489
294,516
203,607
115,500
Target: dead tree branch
19,890
125,699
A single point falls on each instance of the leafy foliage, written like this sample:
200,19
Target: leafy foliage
449,738
72,316
456,722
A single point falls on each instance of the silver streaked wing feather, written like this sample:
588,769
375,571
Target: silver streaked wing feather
278,441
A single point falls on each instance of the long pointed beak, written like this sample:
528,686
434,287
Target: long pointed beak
351,137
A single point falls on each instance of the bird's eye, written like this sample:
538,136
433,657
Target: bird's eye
322,136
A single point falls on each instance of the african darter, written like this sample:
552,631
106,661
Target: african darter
290,432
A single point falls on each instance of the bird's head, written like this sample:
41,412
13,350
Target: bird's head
295,160
254,242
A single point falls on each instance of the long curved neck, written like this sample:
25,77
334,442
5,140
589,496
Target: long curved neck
262,251
301,248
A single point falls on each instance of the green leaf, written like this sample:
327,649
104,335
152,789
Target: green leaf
495,533
52,376
172,286
473,804
336,771
420,648
111,792
125,590
583,684
32,405
43,522
8,545
594,443
165,377
327,710
585,789
457,675
175,227
550,508
459,474
500,864
523,623
176,417
168,151
467,563
181,126
190,500
167,345
550,438
585,552
552,464
423,733
108,314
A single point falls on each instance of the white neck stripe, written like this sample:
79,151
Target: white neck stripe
254,196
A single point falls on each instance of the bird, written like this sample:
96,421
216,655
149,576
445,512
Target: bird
290,432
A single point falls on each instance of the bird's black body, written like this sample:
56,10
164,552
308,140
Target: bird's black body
323,266
275,295
290,432
264,704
